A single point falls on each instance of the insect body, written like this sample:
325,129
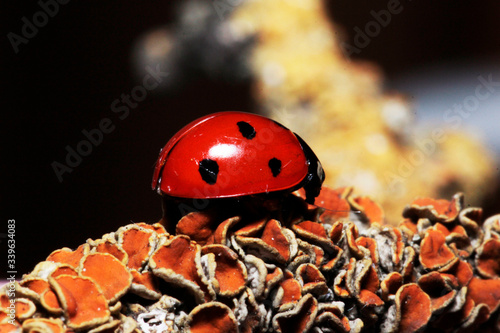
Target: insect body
235,154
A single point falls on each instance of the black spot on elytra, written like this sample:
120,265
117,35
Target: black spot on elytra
246,130
208,170
275,166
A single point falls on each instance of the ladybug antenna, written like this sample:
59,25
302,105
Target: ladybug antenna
315,175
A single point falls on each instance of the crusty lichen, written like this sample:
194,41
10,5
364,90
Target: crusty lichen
309,272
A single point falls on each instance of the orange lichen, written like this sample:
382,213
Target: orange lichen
84,304
111,247
434,253
340,284
492,227
331,204
158,228
435,210
268,275
335,232
274,237
10,327
289,290
368,298
488,259
312,229
273,277
371,245
145,284
68,256
199,226
408,264
485,292
299,319
212,317
37,285
178,255
177,261
461,270
369,208
137,243
369,286
311,279
319,255
335,257
408,227
252,228
413,308
64,269
399,247
229,275
437,286
222,231
351,234
390,285
39,290
331,317
274,245
457,229
314,233
108,273
43,325
50,302
25,308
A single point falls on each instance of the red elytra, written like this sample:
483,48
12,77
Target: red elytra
233,154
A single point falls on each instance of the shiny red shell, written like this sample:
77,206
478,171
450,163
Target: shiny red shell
230,154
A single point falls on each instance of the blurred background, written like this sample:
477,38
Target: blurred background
87,67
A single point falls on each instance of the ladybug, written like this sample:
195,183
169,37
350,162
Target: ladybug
235,154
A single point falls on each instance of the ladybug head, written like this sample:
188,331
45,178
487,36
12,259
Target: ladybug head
315,175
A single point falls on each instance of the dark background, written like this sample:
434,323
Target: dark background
65,79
